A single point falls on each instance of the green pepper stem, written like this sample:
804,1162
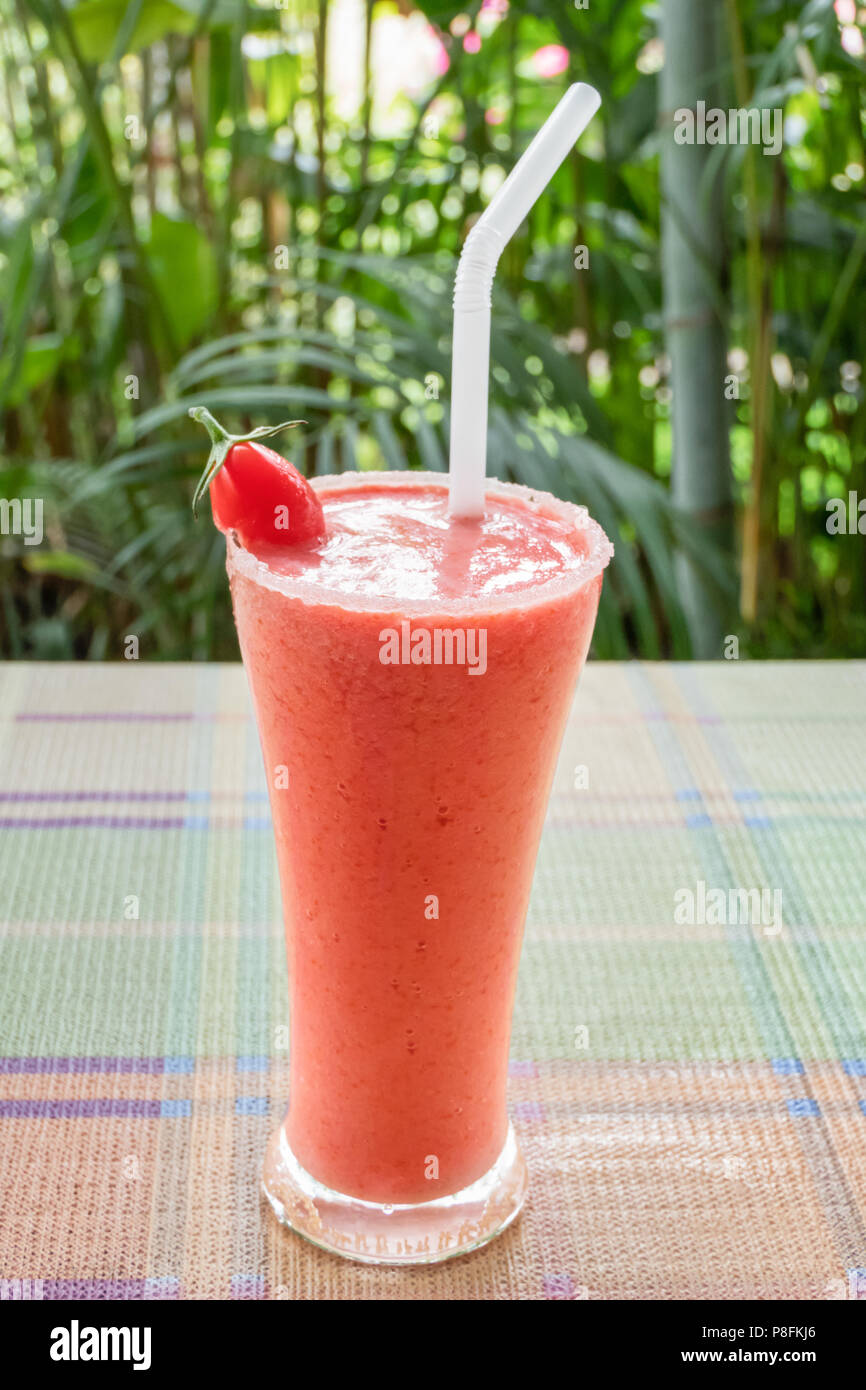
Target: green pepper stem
222,443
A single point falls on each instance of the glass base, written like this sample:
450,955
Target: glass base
420,1233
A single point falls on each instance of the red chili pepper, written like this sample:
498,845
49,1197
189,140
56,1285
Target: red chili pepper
255,491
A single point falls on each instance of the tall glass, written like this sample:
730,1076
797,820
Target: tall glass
407,801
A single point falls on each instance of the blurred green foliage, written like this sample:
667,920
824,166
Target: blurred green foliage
258,207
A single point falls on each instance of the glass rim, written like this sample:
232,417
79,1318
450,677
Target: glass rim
599,552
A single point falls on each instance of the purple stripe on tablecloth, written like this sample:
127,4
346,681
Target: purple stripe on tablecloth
83,1066
111,1107
527,1111
561,1286
124,716
248,1286
19,796
169,1065
100,822
98,1289
522,1068
98,796
190,822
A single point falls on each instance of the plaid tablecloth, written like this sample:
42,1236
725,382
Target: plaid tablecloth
690,1095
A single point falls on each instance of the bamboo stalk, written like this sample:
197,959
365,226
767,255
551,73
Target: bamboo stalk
367,89
236,88
321,106
320,375
695,333
759,351
147,120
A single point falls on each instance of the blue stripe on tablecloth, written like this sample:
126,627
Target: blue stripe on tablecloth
840,1203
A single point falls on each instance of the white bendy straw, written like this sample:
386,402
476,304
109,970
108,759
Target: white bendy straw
470,352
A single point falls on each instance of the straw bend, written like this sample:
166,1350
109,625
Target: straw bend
476,268
470,362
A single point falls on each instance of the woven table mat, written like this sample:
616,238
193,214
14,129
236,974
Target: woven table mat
690,1096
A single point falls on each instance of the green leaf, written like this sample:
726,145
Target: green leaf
395,456
62,563
184,267
430,445
42,356
16,242
96,23
276,77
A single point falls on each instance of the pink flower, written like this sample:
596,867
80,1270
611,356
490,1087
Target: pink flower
494,115
438,53
551,60
495,7
472,42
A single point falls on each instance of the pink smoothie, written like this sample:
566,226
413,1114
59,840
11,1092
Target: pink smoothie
415,794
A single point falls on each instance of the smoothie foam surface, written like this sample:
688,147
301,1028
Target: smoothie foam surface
391,539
